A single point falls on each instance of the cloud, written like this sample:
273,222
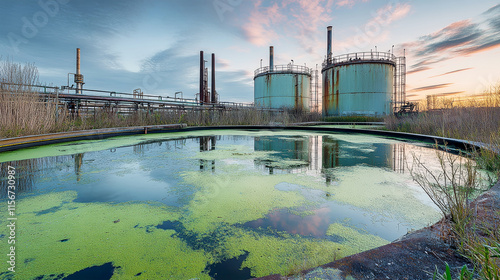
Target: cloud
452,72
461,38
348,3
390,13
418,69
448,93
453,36
309,15
260,28
432,87
412,95
222,63
376,29
299,19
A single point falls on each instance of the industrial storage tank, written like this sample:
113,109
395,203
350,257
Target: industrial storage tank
282,86
359,84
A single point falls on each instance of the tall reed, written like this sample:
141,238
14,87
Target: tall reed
22,110
477,235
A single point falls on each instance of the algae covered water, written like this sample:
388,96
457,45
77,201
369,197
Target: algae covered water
212,204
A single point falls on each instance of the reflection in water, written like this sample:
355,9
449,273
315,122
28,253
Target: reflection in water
323,154
78,165
28,172
399,160
295,149
319,154
330,156
314,225
207,143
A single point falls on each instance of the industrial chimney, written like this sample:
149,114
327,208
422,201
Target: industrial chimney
202,80
329,45
78,76
271,58
214,97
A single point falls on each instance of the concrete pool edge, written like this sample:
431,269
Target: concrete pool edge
12,144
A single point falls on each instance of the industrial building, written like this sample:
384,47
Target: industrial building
363,83
283,86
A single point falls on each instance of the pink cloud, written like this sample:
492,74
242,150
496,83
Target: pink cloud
390,13
259,29
309,15
348,3
302,18
376,29
452,29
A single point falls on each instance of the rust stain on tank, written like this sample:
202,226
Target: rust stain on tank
326,93
268,88
337,92
299,102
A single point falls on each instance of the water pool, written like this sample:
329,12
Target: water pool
221,204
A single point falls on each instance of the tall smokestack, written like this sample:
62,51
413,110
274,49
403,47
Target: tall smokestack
213,79
271,58
78,76
329,44
202,83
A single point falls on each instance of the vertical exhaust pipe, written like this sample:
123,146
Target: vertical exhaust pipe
214,97
202,83
329,45
78,73
271,58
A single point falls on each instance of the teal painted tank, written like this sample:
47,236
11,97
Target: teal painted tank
359,84
285,86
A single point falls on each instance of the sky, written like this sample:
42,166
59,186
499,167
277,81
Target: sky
452,46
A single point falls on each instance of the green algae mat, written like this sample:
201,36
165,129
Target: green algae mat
206,205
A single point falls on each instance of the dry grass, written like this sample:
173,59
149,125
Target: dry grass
474,228
475,120
452,188
472,120
22,111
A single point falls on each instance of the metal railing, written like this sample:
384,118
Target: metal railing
361,57
289,68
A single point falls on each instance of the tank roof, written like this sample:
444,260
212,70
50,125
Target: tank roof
284,69
360,57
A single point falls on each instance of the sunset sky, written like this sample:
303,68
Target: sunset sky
452,47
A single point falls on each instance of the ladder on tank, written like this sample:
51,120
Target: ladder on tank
400,84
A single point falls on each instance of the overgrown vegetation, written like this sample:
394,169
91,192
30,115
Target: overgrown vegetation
23,111
452,188
474,120
20,113
473,228
474,231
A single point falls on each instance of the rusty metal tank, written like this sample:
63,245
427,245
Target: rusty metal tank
359,84
283,86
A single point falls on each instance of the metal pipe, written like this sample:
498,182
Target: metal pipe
271,58
78,61
213,79
202,72
78,84
329,44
